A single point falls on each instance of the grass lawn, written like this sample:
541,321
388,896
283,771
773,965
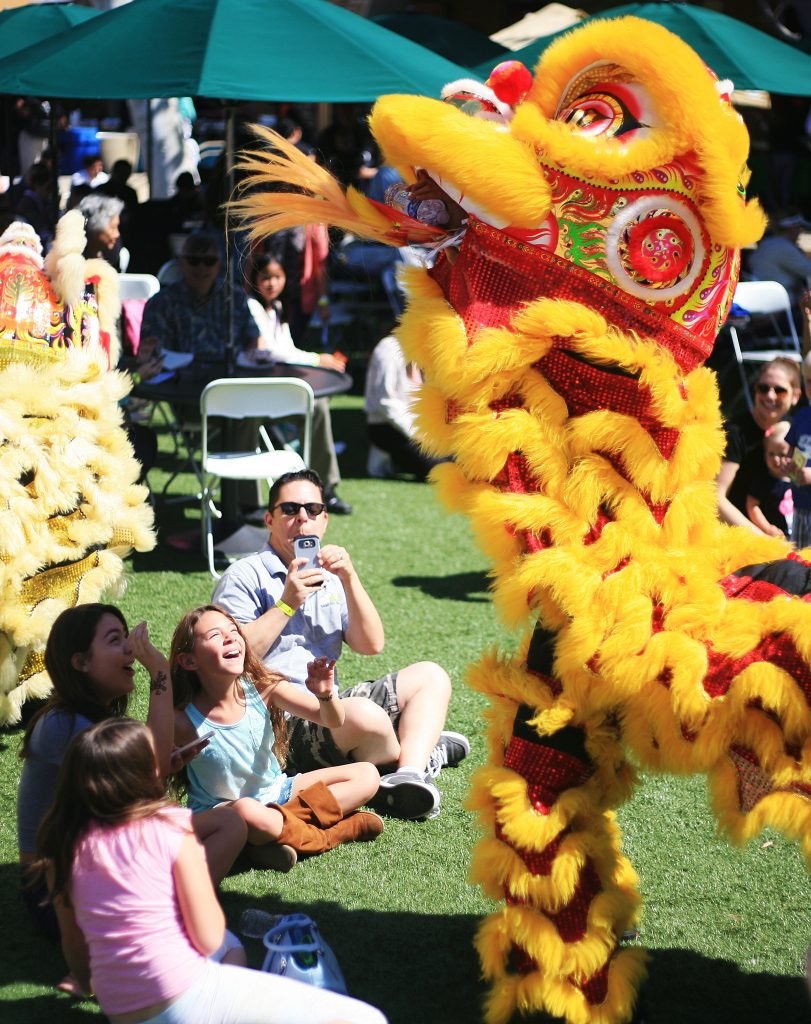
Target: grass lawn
727,929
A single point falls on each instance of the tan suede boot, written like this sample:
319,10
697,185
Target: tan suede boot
302,837
314,823
316,805
360,827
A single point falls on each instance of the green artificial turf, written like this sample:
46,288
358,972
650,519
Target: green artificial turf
727,929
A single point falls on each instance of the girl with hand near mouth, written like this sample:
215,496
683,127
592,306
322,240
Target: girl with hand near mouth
221,687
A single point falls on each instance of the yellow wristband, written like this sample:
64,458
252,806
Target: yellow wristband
285,609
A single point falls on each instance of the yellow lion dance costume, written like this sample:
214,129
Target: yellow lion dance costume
71,507
562,339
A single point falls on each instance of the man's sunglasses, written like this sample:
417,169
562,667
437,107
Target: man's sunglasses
291,508
206,261
764,389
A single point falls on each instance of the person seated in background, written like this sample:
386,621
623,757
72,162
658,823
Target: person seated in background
779,258
191,315
266,287
391,387
291,613
102,218
92,172
776,393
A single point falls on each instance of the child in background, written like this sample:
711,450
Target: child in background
90,657
799,440
266,286
770,502
222,688
136,906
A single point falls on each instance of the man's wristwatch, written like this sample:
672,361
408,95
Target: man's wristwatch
285,608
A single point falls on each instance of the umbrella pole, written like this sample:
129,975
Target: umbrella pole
149,145
55,197
230,491
229,272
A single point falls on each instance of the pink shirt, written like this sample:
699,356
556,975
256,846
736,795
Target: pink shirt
123,894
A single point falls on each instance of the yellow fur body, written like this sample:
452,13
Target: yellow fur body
608,552
72,510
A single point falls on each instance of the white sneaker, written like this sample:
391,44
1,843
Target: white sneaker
378,463
408,794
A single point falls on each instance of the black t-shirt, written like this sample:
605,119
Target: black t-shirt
745,448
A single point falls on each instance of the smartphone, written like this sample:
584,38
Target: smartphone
307,547
179,751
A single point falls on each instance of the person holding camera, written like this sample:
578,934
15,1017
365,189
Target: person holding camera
297,600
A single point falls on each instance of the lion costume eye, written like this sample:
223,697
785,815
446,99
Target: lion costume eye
603,101
600,113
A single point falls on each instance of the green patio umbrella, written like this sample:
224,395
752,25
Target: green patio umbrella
750,58
301,50
25,26
451,39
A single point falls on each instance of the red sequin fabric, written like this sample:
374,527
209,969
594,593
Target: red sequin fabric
494,274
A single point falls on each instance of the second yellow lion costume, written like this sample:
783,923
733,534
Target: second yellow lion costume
70,504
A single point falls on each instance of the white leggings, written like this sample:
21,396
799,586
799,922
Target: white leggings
236,995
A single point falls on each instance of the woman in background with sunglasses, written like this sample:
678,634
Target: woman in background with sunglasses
777,391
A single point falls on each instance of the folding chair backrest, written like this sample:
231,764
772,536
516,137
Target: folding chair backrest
268,398
137,286
768,298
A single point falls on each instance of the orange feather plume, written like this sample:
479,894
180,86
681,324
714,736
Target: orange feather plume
310,195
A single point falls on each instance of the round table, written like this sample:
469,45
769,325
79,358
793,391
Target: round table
186,385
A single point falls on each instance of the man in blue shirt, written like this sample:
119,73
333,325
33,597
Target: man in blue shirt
291,614
191,314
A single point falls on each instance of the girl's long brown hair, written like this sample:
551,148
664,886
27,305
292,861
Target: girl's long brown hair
186,683
109,776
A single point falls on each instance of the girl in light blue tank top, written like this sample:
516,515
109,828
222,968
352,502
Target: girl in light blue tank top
224,694
239,759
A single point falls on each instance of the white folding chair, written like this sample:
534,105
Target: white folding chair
137,286
267,398
770,300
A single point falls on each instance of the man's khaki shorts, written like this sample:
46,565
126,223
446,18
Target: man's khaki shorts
312,746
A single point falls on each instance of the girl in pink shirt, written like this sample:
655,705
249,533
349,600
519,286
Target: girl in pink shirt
136,906
91,657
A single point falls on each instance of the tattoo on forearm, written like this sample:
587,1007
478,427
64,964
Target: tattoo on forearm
158,684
